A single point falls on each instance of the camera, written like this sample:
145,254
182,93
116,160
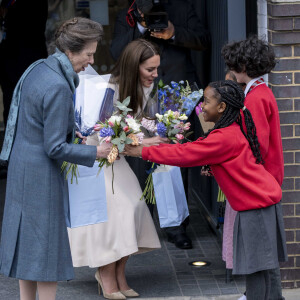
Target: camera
155,16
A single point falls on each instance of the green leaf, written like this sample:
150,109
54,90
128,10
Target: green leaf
116,141
161,84
128,141
126,101
121,147
123,136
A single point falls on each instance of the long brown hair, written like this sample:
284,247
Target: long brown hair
127,74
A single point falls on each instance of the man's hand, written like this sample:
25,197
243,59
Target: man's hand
165,34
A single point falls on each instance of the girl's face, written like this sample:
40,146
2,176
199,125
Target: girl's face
148,70
212,109
82,59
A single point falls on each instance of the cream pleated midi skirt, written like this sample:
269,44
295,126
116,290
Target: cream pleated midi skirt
129,229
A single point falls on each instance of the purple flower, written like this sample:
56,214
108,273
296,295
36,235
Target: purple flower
161,129
106,132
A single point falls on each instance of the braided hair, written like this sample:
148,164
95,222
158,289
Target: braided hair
230,92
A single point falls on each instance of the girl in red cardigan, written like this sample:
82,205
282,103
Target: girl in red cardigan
236,162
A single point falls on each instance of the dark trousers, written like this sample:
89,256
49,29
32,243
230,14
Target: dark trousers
264,285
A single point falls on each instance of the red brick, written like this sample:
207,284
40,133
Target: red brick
285,38
285,104
291,144
281,78
286,10
297,104
288,184
288,157
297,23
286,91
288,284
291,171
283,51
288,209
287,64
288,264
287,131
297,210
292,223
289,117
296,50
297,185
290,235
297,157
281,24
297,130
297,78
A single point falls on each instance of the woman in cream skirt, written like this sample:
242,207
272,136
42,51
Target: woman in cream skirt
130,228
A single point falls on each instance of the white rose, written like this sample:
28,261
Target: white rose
133,124
159,117
183,117
115,120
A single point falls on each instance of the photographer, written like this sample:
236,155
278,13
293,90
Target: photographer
183,34
176,29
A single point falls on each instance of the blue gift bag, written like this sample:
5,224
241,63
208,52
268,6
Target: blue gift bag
170,196
86,204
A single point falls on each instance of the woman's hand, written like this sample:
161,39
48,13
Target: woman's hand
155,141
83,138
103,150
135,151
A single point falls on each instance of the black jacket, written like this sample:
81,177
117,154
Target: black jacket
176,61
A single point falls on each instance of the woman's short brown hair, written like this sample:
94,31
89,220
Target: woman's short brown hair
76,33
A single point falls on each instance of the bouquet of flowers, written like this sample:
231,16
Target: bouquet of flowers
171,125
120,129
178,97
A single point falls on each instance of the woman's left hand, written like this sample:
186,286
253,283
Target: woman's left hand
135,151
83,138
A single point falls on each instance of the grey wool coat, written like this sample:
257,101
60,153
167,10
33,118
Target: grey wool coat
34,241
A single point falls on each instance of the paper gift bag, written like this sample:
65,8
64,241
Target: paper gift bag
170,196
87,199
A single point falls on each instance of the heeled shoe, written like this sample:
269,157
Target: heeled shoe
130,293
115,296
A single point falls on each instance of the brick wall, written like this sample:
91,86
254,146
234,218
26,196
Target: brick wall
284,35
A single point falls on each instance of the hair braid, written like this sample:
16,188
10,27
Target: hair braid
230,92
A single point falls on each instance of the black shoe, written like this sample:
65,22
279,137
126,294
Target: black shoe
3,172
181,240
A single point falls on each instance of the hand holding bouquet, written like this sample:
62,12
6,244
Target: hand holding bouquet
170,125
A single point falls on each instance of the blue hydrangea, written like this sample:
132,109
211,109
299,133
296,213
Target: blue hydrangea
106,132
161,129
174,84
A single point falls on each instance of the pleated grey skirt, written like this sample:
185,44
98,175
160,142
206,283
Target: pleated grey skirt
258,240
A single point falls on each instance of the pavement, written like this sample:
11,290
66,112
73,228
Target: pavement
160,274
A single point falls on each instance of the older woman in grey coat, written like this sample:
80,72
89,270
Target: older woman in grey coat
34,243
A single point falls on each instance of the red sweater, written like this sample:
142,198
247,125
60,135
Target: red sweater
263,107
247,185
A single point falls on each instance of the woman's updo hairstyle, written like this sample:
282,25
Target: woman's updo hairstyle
76,33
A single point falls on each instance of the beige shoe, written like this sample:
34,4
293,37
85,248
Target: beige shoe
116,295
130,293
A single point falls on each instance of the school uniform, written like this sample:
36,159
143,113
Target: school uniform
250,189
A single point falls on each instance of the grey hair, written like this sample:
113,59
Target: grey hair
76,33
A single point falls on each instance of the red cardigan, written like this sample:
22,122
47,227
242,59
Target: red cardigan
263,107
247,185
